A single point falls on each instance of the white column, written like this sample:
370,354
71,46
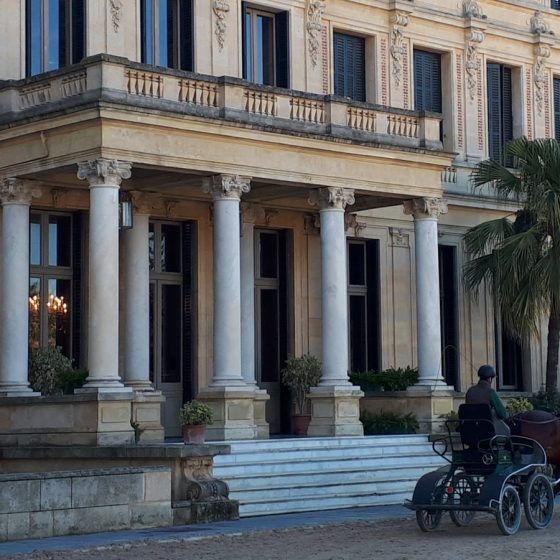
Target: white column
136,295
104,177
226,192
15,196
425,212
334,297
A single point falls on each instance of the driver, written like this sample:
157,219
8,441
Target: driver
482,393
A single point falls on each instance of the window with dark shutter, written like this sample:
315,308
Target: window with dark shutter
556,86
349,66
500,110
427,81
555,4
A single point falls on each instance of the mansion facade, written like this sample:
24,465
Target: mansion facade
298,173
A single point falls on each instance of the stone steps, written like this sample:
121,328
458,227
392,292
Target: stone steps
306,474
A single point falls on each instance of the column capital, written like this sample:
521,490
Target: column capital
425,208
18,191
331,198
226,186
104,172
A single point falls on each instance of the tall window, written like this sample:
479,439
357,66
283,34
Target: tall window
448,313
265,47
349,66
556,85
509,358
50,282
500,112
55,34
363,305
167,33
427,81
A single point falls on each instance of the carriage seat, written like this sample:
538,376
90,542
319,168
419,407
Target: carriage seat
476,425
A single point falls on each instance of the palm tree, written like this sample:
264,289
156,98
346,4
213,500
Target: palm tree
519,256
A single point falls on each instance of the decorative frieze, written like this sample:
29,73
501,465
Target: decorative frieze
227,186
540,74
220,9
18,191
115,7
314,26
331,197
398,46
423,208
472,63
104,172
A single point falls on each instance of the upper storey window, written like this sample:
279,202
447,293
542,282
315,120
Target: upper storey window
427,81
55,34
349,66
500,110
265,47
167,33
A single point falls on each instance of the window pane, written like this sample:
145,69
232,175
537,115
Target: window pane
268,255
356,264
35,37
270,370
358,333
60,241
162,33
170,249
53,31
265,50
35,239
171,347
249,54
147,17
34,313
152,247
58,314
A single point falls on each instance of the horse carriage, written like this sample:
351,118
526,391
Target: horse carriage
493,473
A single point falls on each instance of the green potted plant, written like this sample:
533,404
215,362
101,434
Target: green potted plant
195,416
299,375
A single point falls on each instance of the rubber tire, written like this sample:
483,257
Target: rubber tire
541,484
508,515
462,518
428,520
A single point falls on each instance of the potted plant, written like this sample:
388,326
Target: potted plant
195,416
299,375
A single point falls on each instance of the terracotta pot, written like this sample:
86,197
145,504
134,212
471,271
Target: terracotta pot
194,433
300,423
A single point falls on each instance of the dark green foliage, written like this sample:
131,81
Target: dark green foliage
391,379
68,380
546,400
389,423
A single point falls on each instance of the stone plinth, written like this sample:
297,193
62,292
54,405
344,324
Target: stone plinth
146,412
85,419
259,412
335,411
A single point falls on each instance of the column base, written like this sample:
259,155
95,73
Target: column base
234,413
259,411
18,391
146,414
335,411
434,384
97,390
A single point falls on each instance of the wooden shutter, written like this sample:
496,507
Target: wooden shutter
507,114
556,87
349,66
427,81
555,4
494,94
281,22
189,308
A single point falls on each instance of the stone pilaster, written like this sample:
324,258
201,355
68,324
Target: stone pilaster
335,402
15,197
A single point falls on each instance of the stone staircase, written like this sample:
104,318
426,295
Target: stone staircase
307,474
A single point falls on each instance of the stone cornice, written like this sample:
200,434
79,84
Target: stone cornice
425,208
18,191
331,198
104,172
226,186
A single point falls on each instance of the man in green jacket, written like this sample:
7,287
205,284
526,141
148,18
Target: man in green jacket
482,393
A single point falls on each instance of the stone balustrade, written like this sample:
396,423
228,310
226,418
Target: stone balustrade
110,78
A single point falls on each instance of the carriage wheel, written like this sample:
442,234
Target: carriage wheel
508,515
463,492
428,519
538,501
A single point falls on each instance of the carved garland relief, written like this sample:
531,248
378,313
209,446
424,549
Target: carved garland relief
314,26
398,47
220,9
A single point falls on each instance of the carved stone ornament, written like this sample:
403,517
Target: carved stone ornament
18,191
331,198
472,63
538,24
399,238
116,7
220,9
252,213
423,208
398,48
104,172
143,203
226,186
351,222
471,9
540,75
314,26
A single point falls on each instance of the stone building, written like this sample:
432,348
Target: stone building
299,178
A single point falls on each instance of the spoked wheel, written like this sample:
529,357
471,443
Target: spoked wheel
464,490
428,519
538,501
508,515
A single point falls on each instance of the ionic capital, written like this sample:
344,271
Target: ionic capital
331,198
425,208
18,191
226,186
104,172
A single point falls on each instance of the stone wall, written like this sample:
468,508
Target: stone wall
37,505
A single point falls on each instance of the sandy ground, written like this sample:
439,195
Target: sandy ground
387,540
